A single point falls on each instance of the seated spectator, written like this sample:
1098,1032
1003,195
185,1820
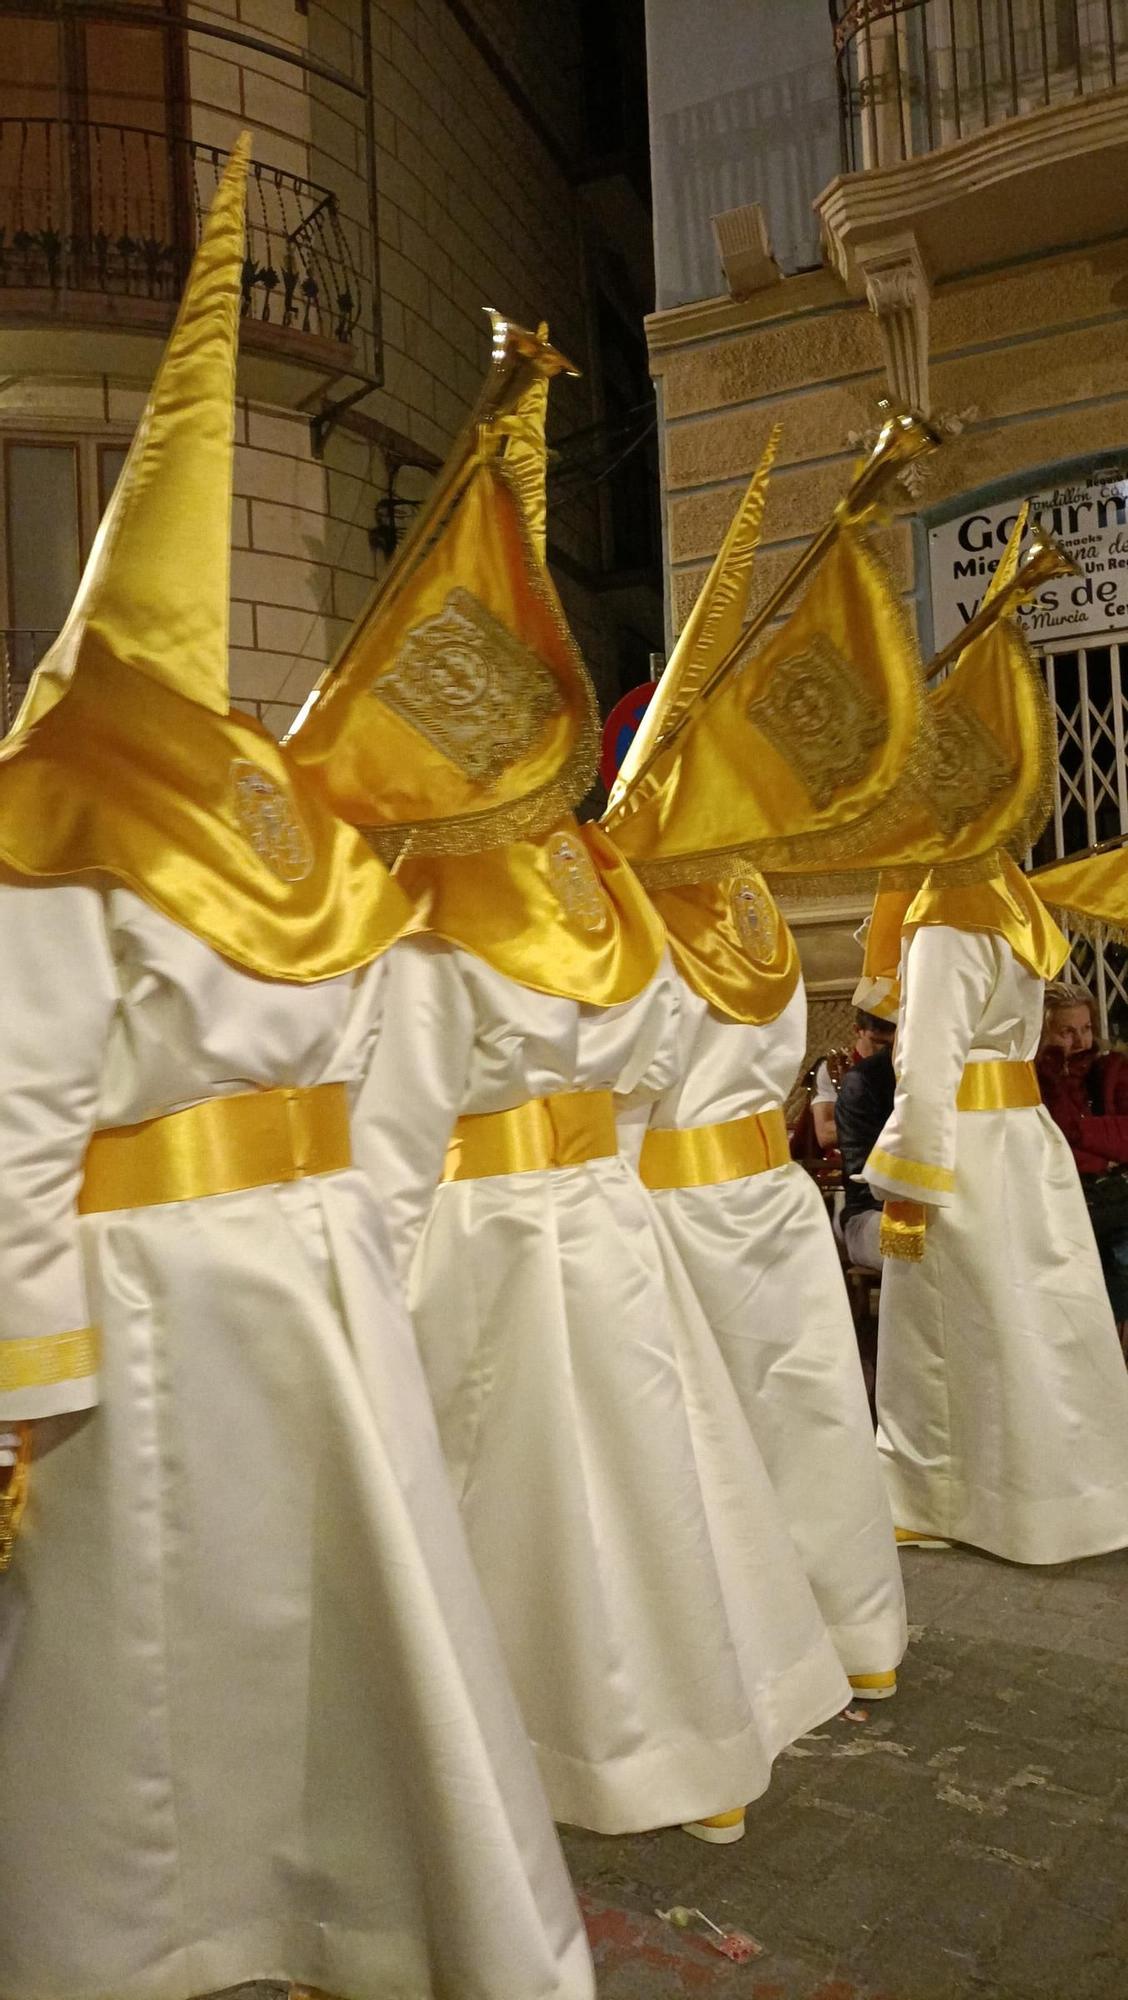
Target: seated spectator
870,1034
1085,1091
865,1100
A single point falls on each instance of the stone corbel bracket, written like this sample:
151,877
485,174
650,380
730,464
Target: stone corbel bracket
899,295
891,274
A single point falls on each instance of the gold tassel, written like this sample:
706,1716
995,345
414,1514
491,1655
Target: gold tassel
903,1225
13,1499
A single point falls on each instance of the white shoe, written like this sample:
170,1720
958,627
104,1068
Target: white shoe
721,1830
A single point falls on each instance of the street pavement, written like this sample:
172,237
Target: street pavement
965,1841
968,1838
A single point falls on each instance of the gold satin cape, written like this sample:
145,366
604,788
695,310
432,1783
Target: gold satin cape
731,945
978,780
562,914
1007,904
203,817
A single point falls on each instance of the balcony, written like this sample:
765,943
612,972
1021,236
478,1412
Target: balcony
915,75
974,133
98,224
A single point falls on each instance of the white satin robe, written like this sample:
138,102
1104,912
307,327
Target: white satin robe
1001,1390
761,1257
659,1630
255,1724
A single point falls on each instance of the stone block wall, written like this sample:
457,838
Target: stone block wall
1029,364
475,207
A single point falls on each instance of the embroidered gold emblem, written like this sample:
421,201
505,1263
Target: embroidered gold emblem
755,915
575,883
472,688
816,716
269,821
967,771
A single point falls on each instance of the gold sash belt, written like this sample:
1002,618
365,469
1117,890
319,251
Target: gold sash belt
998,1086
559,1131
219,1147
702,1155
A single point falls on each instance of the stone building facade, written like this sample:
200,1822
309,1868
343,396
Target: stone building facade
980,273
415,160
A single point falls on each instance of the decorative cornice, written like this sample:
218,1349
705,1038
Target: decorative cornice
858,210
678,327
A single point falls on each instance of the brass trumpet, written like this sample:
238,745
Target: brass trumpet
903,437
1042,560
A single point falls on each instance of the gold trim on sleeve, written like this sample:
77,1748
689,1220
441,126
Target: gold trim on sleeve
44,1359
13,1499
915,1173
903,1225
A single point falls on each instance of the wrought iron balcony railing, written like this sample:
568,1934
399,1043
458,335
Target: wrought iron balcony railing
112,211
914,75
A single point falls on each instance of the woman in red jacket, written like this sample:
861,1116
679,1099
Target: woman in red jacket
1085,1090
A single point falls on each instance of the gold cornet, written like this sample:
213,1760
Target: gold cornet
904,435
1041,561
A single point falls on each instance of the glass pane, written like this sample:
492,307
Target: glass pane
125,76
29,69
43,546
31,150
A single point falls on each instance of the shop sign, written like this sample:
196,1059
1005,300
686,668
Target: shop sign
1091,522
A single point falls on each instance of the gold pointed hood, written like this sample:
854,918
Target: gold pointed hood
726,935
747,757
768,755
712,629
125,760
556,909
458,714
980,794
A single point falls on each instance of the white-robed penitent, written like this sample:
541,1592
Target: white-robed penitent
1002,1398
661,1635
1001,1388
254,1722
756,1242
658,1628
726,766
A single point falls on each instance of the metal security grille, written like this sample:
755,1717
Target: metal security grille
1088,686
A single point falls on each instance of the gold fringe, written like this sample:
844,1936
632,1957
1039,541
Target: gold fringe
858,884
1095,930
947,874
682,870
13,1499
903,1226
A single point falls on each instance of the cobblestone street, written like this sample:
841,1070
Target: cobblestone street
969,1838
967,1841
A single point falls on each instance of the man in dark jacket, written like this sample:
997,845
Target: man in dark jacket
865,1100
